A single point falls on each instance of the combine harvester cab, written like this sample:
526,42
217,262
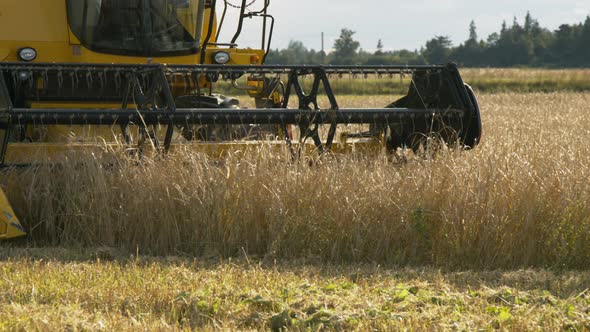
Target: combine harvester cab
98,72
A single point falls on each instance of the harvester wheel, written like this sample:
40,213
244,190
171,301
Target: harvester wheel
207,132
474,127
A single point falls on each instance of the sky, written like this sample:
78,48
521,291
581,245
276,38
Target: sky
403,24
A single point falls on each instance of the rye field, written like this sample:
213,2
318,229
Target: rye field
494,238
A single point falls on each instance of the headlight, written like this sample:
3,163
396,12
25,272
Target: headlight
221,58
27,54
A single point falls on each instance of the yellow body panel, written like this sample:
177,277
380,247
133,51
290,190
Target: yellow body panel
72,53
33,21
9,225
43,25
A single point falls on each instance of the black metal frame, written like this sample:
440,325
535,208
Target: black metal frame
5,114
263,13
148,87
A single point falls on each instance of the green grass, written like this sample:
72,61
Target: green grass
54,289
492,80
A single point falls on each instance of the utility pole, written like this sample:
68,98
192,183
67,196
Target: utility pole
323,50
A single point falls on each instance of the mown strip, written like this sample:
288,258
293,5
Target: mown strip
55,289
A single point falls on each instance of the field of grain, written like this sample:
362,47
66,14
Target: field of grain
349,242
519,199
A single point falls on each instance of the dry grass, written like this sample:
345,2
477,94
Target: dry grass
518,200
269,236
45,290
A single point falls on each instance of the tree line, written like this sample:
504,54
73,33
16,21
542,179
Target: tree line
526,44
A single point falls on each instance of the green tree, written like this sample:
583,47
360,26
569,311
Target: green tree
437,50
529,44
379,48
584,44
514,47
529,22
472,32
563,49
295,54
469,53
345,48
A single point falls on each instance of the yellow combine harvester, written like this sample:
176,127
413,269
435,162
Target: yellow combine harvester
73,71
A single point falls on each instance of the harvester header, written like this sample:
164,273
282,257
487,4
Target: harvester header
159,74
437,101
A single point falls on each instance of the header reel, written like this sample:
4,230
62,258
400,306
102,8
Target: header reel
181,96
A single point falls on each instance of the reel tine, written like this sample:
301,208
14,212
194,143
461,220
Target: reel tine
117,77
89,79
74,78
60,78
45,79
